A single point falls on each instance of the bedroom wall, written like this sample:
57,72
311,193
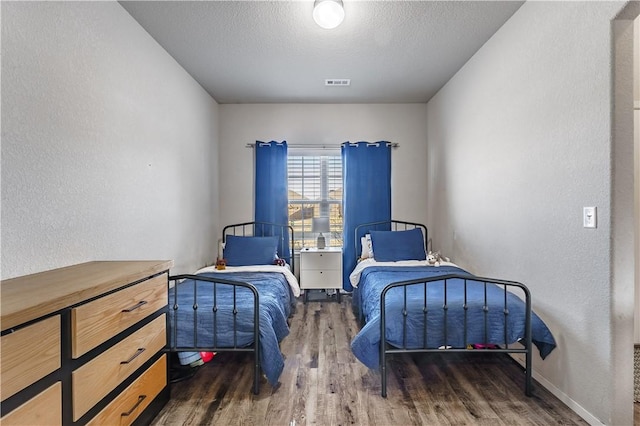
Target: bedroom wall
636,112
520,140
328,124
109,148
636,64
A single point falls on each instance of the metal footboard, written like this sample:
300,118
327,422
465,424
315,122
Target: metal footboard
506,286
216,285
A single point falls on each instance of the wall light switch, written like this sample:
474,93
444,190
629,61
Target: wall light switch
589,217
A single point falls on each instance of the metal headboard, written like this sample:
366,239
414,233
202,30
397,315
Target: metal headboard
264,229
386,225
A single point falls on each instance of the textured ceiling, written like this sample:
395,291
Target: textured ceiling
273,52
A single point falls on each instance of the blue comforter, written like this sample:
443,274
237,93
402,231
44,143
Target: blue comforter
276,302
366,344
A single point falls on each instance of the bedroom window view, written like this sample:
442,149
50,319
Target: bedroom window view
315,190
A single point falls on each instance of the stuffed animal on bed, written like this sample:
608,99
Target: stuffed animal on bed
221,264
435,258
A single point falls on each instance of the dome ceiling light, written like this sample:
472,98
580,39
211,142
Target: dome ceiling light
328,13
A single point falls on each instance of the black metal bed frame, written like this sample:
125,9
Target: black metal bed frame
265,229
215,282
385,225
242,229
388,349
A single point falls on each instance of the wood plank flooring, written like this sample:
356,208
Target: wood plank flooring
324,384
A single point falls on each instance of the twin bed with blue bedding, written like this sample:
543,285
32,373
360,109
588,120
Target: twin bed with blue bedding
243,307
408,304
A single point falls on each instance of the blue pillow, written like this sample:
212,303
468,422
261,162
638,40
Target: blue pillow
243,251
392,246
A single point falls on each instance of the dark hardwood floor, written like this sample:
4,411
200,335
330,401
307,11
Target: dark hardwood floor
323,384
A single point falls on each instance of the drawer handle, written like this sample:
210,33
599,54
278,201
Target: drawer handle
136,306
140,399
138,352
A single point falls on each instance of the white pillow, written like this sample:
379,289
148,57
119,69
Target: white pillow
220,248
367,247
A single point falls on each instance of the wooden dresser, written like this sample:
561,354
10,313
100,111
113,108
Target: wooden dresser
85,344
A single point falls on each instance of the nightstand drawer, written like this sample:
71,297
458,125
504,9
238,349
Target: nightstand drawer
94,380
321,279
127,406
97,321
43,409
316,260
29,354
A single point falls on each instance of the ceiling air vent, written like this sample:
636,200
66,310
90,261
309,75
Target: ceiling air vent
338,82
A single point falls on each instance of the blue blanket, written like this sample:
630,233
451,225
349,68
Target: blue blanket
276,302
366,344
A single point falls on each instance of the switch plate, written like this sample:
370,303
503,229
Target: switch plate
589,217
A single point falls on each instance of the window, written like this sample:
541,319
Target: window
315,189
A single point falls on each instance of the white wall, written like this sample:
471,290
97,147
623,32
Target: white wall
109,148
520,140
322,124
636,99
636,64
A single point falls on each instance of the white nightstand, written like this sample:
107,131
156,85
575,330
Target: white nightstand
321,269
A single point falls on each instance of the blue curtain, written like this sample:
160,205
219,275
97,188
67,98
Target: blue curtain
366,172
271,197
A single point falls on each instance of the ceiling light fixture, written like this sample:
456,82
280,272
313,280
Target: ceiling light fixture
328,13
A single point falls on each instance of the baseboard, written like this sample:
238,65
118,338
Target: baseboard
573,405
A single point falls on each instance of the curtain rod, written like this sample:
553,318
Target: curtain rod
321,146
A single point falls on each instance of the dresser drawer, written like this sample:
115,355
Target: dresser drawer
328,260
321,279
127,406
43,409
94,380
29,354
97,321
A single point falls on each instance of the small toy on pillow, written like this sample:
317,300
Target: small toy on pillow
221,264
435,258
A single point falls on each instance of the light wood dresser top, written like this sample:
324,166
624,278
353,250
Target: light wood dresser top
29,297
